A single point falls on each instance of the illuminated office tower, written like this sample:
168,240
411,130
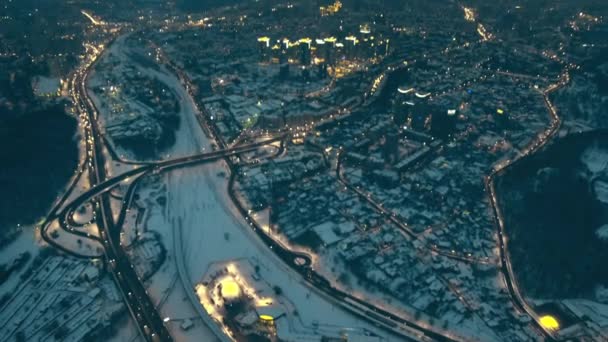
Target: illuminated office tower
329,50
304,44
350,46
320,60
264,49
421,112
275,52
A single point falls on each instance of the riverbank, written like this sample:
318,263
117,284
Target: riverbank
554,205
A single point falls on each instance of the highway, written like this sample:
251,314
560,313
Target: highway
156,167
102,189
141,308
138,303
301,262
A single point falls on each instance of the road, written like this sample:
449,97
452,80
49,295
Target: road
138,303
392,217
301,262
156,167
148,321
506,266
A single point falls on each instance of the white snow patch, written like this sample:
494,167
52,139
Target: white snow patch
596,159
602,232
214,231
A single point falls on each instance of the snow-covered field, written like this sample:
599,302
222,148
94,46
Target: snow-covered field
187,141
200,210
213,231
602,232
474,326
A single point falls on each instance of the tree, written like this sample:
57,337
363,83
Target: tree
344,278
277,290
20,336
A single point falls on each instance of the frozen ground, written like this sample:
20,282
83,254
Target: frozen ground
329,265
602,232
199,209
596,159
46,85
29,241
213,231
126,331
61,299
187,140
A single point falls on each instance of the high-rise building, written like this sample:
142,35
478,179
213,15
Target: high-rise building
380,47
443,123
288,47
421,112
365,29
402,105
329,53
264,49
350,46
322,70
304,44
275,52
412,109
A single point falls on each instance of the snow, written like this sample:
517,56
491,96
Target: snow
326,233
213,231
188,135
27,241
74,304
46,85
77,244
601,294
596,159
164,287
125,330
602,232
329,267
597,313
601,190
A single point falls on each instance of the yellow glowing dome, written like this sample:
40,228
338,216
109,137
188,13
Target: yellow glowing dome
549,322
230,289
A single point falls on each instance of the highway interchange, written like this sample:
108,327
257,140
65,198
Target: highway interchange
139,304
